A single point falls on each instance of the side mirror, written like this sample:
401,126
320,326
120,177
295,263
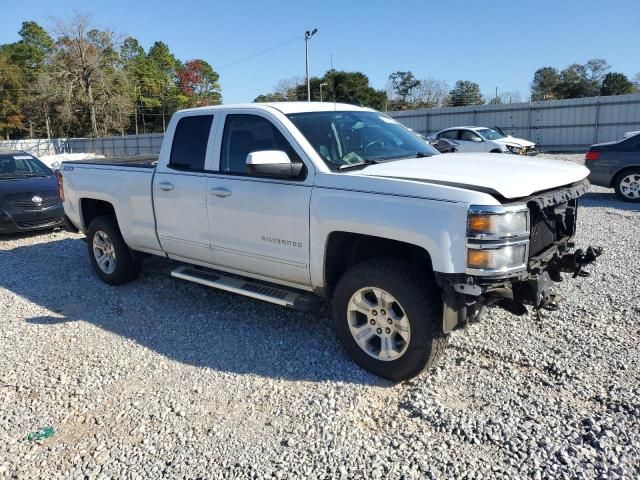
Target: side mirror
272,163
476,139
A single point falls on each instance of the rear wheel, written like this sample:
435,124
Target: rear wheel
627,185
388,317
110,256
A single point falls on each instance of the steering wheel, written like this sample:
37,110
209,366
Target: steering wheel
369,145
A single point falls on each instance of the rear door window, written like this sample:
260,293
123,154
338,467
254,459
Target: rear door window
450,134
189,148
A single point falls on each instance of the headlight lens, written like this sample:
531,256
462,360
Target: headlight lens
498,224
514,149
497,259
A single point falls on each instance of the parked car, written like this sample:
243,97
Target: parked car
303,204
28,194
616,165
483,139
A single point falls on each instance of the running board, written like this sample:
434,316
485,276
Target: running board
286,298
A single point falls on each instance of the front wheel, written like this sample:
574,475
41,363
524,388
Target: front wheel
388,316
627,185
110,256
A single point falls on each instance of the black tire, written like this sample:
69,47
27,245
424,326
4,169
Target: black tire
126,263
620,179
495,151
420,299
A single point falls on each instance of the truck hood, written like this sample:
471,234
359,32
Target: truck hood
511,176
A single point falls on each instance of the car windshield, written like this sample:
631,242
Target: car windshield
489,133
22,165
354,138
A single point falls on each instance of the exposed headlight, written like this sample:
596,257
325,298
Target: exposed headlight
514,149
483,223
498,259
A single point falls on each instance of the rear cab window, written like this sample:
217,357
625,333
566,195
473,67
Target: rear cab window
190,140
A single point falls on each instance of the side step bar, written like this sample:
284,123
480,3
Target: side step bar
273,294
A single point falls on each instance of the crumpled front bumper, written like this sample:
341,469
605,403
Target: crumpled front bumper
466,298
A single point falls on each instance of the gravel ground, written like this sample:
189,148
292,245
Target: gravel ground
162,378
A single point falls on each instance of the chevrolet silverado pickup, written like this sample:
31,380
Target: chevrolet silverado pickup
309,205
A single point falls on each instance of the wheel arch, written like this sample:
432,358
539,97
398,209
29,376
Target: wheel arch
345,249
621,172
91,208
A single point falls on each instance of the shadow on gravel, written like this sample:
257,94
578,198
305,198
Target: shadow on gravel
607,200
184,322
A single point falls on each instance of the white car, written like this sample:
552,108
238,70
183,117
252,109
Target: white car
306,203
483,139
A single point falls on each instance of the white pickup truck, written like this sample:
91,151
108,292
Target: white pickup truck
313,204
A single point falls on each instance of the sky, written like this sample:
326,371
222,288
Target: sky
492,42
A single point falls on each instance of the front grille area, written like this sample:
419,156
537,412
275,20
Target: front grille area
31,205
40,223
550,224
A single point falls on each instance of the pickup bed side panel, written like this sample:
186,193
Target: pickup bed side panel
127,189
437,226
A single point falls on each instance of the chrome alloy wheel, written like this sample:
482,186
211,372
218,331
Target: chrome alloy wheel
630,186
103,252
378,324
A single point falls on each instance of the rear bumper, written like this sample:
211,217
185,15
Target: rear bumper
12,221
599,173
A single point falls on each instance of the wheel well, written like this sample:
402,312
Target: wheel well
92,209
619,174
347,249
496,150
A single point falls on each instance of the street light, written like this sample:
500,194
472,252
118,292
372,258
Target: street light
322,85
307,36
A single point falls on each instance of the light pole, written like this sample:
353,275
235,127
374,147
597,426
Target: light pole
322,85
307,36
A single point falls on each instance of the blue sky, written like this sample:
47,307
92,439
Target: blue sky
494,43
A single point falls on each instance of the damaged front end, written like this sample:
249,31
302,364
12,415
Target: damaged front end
516,254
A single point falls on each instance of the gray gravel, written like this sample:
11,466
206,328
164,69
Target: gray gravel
162,378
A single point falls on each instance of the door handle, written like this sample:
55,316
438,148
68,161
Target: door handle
166,186
220,192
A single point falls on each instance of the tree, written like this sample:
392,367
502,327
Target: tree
465,93
615,83
339,86
545,83
199,82
402,86
10,116
430,93
574,82
597,69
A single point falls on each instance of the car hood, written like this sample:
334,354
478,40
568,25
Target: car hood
511,176
521,142
27,185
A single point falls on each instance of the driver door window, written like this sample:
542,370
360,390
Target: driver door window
244,134
469,136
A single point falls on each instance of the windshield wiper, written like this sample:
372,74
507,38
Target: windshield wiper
362,163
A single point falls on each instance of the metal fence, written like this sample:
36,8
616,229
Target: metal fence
145,144
554,125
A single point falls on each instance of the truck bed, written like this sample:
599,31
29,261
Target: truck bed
140,161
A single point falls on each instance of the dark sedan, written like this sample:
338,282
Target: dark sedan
616,165
29,197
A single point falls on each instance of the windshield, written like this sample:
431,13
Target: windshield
489,134
354,138
22,165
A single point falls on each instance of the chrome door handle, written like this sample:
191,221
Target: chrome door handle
166,186
220,192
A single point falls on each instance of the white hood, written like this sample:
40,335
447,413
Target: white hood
509,140
512,176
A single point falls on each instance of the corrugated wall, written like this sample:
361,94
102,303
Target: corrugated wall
555,125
